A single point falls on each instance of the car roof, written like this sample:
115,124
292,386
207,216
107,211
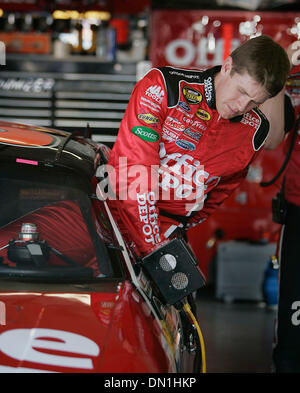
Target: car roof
23,143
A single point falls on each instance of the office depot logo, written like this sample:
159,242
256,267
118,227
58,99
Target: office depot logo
178,177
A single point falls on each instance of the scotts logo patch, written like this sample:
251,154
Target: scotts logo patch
145,133
148,118
191,95
203,115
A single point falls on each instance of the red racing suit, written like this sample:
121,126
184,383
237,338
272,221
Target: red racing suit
175,160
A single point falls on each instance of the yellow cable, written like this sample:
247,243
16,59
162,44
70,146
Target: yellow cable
187,308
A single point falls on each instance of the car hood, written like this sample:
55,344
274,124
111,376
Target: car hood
55,331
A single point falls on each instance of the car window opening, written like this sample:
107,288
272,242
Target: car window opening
71,240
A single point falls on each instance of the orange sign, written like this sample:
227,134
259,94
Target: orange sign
26,42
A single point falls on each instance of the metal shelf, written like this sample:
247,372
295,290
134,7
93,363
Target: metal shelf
66,94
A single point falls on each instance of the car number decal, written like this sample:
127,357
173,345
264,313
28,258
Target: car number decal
25,345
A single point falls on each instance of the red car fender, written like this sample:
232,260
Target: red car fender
145,347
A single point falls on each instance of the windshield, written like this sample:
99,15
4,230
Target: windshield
49,229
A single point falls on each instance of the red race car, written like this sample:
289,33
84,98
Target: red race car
72,297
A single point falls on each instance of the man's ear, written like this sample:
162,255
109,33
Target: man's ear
227,66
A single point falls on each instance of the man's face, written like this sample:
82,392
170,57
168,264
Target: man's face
236,93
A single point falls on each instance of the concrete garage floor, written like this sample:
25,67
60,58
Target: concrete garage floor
238,336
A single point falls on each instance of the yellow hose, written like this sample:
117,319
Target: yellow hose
187,308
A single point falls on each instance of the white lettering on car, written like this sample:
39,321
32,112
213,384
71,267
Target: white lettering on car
32,345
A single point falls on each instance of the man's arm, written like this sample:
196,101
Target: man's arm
135,159
218,195
273,109
277,109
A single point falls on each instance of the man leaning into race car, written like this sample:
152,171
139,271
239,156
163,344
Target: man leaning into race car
187,139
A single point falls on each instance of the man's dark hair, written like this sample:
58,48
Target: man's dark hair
264,60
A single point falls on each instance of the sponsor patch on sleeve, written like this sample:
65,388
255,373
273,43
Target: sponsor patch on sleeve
145,133
148,118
